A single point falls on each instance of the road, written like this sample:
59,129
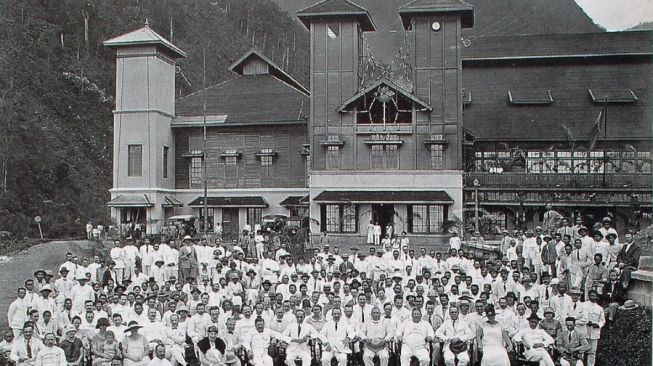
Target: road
22,265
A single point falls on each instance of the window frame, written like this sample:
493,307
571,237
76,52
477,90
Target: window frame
432,223
164,158
132,169
339,218
254,213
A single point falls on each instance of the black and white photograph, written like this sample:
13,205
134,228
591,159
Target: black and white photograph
326,182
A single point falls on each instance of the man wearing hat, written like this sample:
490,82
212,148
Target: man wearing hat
63,285
81,293
607,228
535,341
46,303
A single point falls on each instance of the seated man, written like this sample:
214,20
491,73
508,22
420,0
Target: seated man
415,334
299,334
336,335
535,342
375,335
212,349
571,344
258,343
452,332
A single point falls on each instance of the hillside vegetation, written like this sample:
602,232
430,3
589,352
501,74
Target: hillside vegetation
57,91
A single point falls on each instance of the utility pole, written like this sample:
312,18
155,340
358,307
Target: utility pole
204,175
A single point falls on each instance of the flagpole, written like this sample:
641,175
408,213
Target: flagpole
605,137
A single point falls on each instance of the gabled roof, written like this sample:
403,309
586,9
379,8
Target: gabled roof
243,100
337,9
143,36
408,11
130,201
274,69
391,85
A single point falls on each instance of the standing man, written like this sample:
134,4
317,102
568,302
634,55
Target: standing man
117,254
551,219
370,233
377,234
571,344
595,321
17,314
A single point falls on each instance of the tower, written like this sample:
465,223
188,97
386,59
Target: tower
436,29
143,146
336,31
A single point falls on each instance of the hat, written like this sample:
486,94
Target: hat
187,237
181,308
132,325
554,281
39,271
81,277
69,328
120,288
63,269
574,290
582,228
511,294
49,273
304,275
629,305
538,228
46,288
230,358
102,322
547,236
597,233
548,311
160,261
534,317
196,290
212,328
504,231
606,220
361,254
455,266
353,249
254,272
266,282
458,346
330,258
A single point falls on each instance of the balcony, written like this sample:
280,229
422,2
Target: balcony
558,181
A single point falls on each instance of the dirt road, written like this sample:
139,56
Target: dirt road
21,266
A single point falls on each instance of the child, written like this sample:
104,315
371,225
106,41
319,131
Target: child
111,354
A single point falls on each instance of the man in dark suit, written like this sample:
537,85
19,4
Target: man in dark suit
628,258
571,344
613,295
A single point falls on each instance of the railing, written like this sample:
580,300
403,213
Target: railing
534,180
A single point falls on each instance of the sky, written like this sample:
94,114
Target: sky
618,14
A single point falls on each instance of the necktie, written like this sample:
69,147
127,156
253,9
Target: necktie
574,306
578,254
29,349
336,326
546,294
569,337
299,330
362,315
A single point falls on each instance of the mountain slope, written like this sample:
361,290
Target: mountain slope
58,89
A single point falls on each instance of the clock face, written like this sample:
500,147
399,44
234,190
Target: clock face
436,26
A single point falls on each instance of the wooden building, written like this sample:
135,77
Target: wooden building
424,123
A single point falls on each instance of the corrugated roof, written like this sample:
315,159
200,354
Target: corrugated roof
559,45
248,99
238,201
143,36
337,8
295,201
384,197
437,6
490,116
170,201
130,201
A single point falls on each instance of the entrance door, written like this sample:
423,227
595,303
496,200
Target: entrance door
230,224
384,214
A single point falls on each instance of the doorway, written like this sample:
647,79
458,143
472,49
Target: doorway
230,224
384,214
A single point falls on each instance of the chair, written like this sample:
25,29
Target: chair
521,359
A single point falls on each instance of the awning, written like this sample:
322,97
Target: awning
169,201
295,201
130,201
253,201
408,197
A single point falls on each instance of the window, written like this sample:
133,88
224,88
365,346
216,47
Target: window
580,162
384,157
231,160
135,160
254,215
437,156
299,211
596,162
383,105
165,161
196,168
425,219
333,30
267,157
333,157
210,219
644,162
339,218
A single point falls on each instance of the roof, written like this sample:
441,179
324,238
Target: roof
275,70
559,45
143,36
295,201
384,197
169,201
571,115
130,201
416,7
337,9
391,85
247,201
248,99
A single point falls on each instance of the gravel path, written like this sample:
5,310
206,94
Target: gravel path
17,268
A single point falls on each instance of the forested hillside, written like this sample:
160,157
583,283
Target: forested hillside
57,91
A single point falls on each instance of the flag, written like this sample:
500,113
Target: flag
596,130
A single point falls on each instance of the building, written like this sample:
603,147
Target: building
429,126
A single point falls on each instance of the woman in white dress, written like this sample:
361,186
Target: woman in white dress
492,340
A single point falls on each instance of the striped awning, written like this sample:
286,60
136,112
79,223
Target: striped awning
169,201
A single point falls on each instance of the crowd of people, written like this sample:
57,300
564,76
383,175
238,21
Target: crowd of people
545,299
